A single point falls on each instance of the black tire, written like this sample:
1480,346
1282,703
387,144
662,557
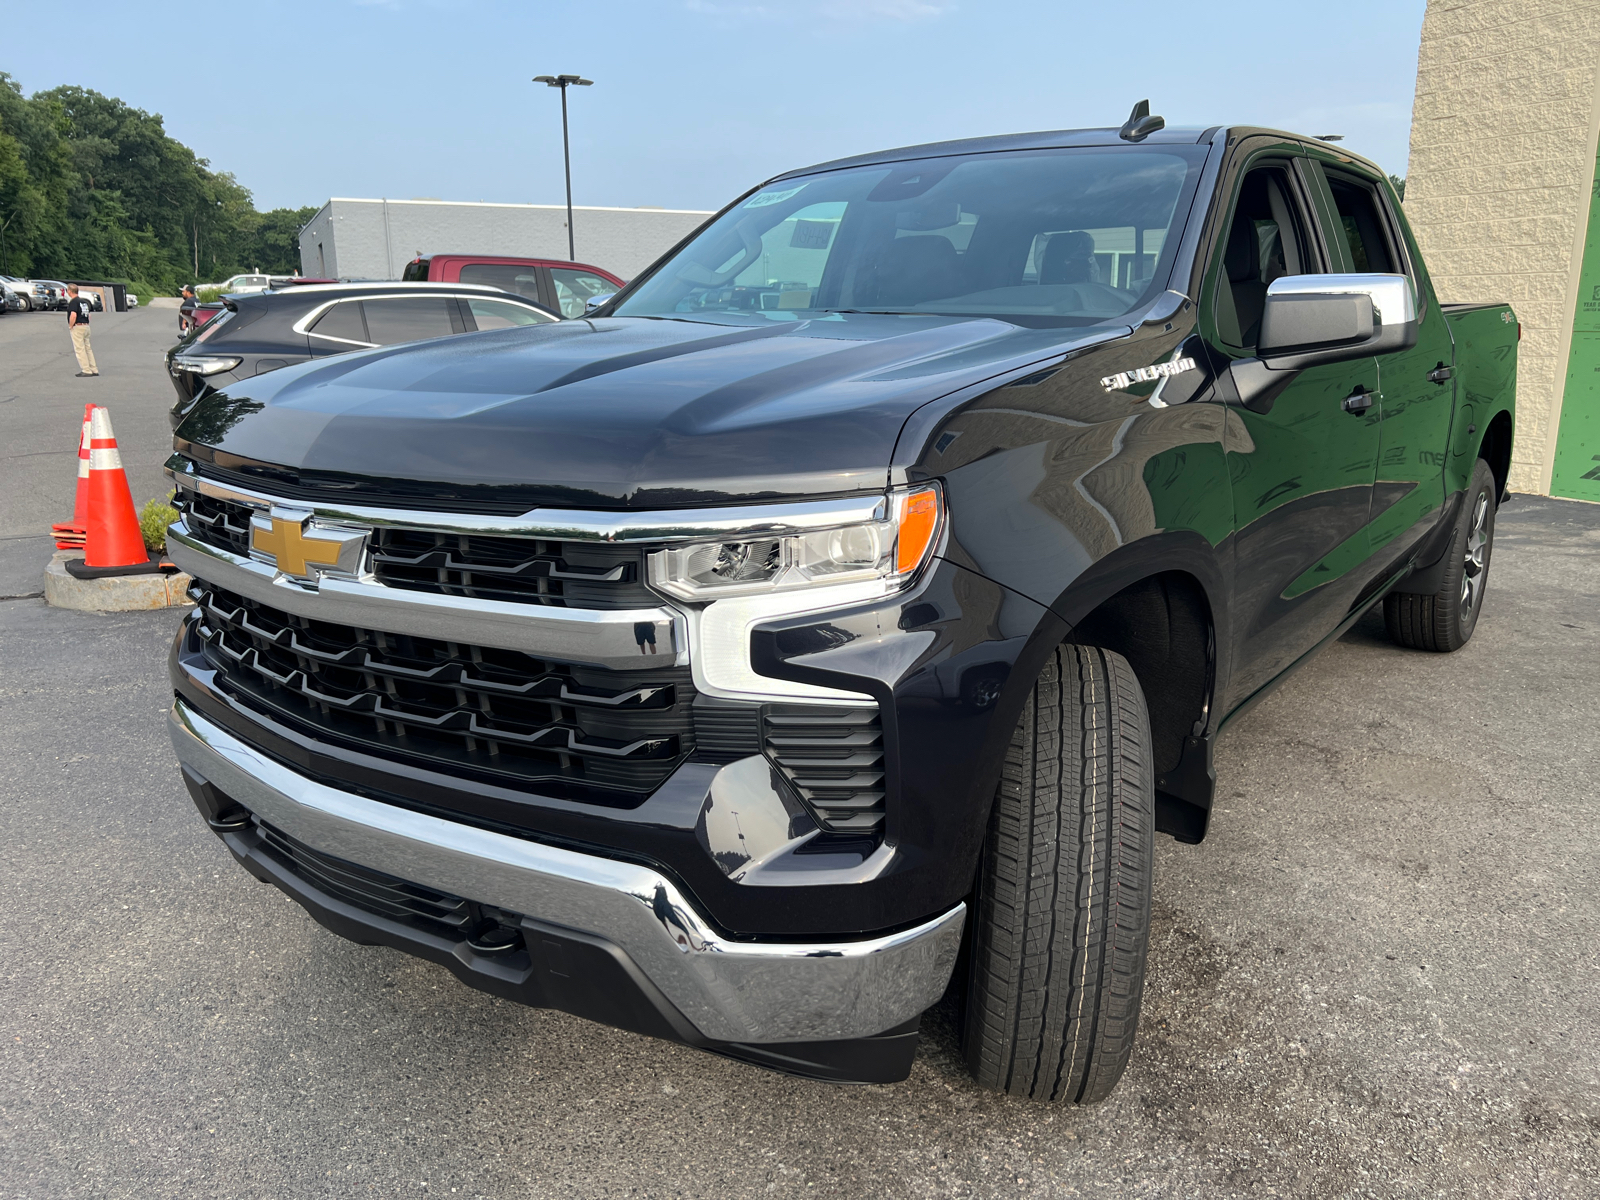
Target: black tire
1444,620
1062,916
27,304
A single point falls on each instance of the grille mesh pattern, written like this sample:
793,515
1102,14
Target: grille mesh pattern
454,706
372,890
834,759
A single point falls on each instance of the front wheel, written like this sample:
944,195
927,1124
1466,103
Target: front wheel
1063,905
1444,620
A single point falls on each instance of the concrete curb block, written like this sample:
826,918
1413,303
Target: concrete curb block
121,593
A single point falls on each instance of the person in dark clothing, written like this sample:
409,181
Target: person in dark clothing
78,310
186,310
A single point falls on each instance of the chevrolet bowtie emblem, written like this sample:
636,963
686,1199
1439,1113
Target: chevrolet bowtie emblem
283,539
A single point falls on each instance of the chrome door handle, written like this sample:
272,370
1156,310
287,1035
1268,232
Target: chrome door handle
1357,401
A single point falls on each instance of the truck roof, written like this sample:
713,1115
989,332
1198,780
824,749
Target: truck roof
1189,135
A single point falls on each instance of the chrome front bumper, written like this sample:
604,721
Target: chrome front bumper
748,992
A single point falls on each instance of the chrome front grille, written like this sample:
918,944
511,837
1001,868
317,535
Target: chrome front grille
566,574
501,714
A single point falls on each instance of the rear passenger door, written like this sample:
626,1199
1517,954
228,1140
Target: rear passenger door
1416,388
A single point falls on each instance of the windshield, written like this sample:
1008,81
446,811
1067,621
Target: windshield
1046,237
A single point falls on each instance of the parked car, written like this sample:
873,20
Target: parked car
238,284
255,333
40,295
566,287
853,596
11,300
133,300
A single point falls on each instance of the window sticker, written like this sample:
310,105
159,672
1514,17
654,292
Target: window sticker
766,198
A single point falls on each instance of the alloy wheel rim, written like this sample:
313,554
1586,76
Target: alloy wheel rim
1475,561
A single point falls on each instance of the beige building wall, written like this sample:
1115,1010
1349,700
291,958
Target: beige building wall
1502,160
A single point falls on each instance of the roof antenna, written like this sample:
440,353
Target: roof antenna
1141,124
1330,137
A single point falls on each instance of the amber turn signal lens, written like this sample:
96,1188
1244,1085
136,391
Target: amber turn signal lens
919,521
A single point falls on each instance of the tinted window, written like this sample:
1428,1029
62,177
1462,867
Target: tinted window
499,314
342,321
1050,237
508,277
1266,241
1361,225
407,318
574,288
416,271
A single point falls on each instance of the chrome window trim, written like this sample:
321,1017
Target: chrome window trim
574,525
729,990
599,637
303,325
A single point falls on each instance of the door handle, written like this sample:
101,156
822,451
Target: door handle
1441,374
1357,401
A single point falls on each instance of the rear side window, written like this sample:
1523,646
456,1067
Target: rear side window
574,289
416,272
343,323
1362,226
408,318
500,314
508,277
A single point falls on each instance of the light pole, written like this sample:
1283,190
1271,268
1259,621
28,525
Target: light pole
564,82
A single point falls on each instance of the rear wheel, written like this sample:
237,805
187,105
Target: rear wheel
1444,620
1063,907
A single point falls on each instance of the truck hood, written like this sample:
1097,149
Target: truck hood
612,413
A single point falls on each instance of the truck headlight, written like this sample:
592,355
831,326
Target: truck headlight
891,549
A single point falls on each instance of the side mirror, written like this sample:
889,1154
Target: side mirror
1309,320
595,302
1313,319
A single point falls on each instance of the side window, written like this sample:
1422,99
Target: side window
1266,240
343,323
500,314
408,318
574,289
1361,225
508,277
416,271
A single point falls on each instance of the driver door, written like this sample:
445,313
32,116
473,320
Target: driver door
1300,461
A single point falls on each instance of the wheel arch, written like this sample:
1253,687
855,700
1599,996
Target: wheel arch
1495,449
1161,606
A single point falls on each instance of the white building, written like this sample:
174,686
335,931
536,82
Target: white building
374,239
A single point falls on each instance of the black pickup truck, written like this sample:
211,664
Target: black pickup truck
831,619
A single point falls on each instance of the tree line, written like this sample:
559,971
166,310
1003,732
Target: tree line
92,188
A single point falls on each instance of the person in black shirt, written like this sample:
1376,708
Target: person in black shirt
186,310
78,310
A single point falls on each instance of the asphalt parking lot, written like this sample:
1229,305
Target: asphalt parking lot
1380,975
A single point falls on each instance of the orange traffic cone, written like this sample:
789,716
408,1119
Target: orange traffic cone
114,539
70,536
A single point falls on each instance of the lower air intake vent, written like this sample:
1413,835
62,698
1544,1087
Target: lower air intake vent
834,759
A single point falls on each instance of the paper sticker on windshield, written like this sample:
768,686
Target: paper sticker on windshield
766,198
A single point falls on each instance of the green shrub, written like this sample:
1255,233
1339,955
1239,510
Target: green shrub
207,295
154,518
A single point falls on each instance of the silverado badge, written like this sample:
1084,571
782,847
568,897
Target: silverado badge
1119,381
284,540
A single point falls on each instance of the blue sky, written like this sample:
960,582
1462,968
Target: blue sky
695,100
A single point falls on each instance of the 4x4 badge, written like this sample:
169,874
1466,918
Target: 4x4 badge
1119,381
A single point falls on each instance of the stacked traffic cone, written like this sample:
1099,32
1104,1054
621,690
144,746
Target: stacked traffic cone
113,544
70,536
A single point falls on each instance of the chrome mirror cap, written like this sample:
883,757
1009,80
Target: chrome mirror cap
1394,299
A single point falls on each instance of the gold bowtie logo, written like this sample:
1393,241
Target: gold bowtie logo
292,549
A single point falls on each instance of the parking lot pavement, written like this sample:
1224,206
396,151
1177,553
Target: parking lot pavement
41,410
1377,977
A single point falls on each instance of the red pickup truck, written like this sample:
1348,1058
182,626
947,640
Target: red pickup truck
555,283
